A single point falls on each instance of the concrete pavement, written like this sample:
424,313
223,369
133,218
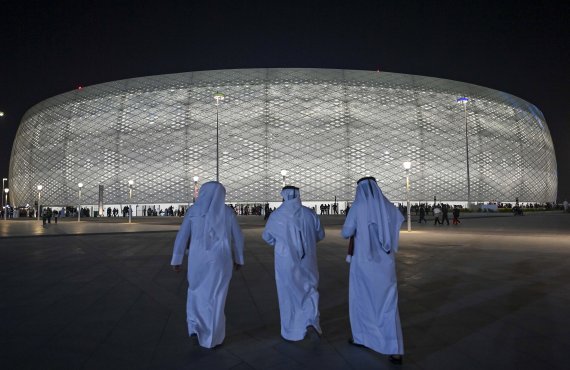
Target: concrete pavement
491,293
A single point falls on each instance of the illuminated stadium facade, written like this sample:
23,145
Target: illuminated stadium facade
327,128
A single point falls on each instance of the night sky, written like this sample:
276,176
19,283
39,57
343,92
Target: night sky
50,47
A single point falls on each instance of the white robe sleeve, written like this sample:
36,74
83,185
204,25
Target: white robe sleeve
349,227
319,229
237,239
267,235
181,242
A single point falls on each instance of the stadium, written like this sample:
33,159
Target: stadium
326,128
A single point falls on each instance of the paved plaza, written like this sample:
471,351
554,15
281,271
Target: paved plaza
491,293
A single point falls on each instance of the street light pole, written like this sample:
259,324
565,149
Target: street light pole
284,174
219,97
131,182
464,100
39,199
79,208
4,179
6,190
196,178
407,166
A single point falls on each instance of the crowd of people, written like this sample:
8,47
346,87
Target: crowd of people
423,210
8,210
440,212
326,209
255,209
31,212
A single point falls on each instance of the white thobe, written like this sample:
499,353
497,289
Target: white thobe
373,290
209,274
296,271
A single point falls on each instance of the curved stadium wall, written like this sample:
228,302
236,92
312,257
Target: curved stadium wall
327,128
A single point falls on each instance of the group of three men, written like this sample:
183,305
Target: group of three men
212,234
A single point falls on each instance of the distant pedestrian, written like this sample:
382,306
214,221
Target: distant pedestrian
444,212
267,211
422,214
456,216
437,215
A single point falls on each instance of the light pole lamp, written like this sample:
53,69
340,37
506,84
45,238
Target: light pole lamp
131,182
219,97
407,166
464,100
3,181
39,199
196,178
79,208
284,174
6,190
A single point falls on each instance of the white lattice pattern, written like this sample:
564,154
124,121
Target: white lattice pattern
327,128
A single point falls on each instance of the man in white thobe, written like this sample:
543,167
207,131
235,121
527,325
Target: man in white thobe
294,231
374,222
211,231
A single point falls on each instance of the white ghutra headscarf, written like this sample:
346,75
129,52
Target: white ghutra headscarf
378,215
210,204
287,222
